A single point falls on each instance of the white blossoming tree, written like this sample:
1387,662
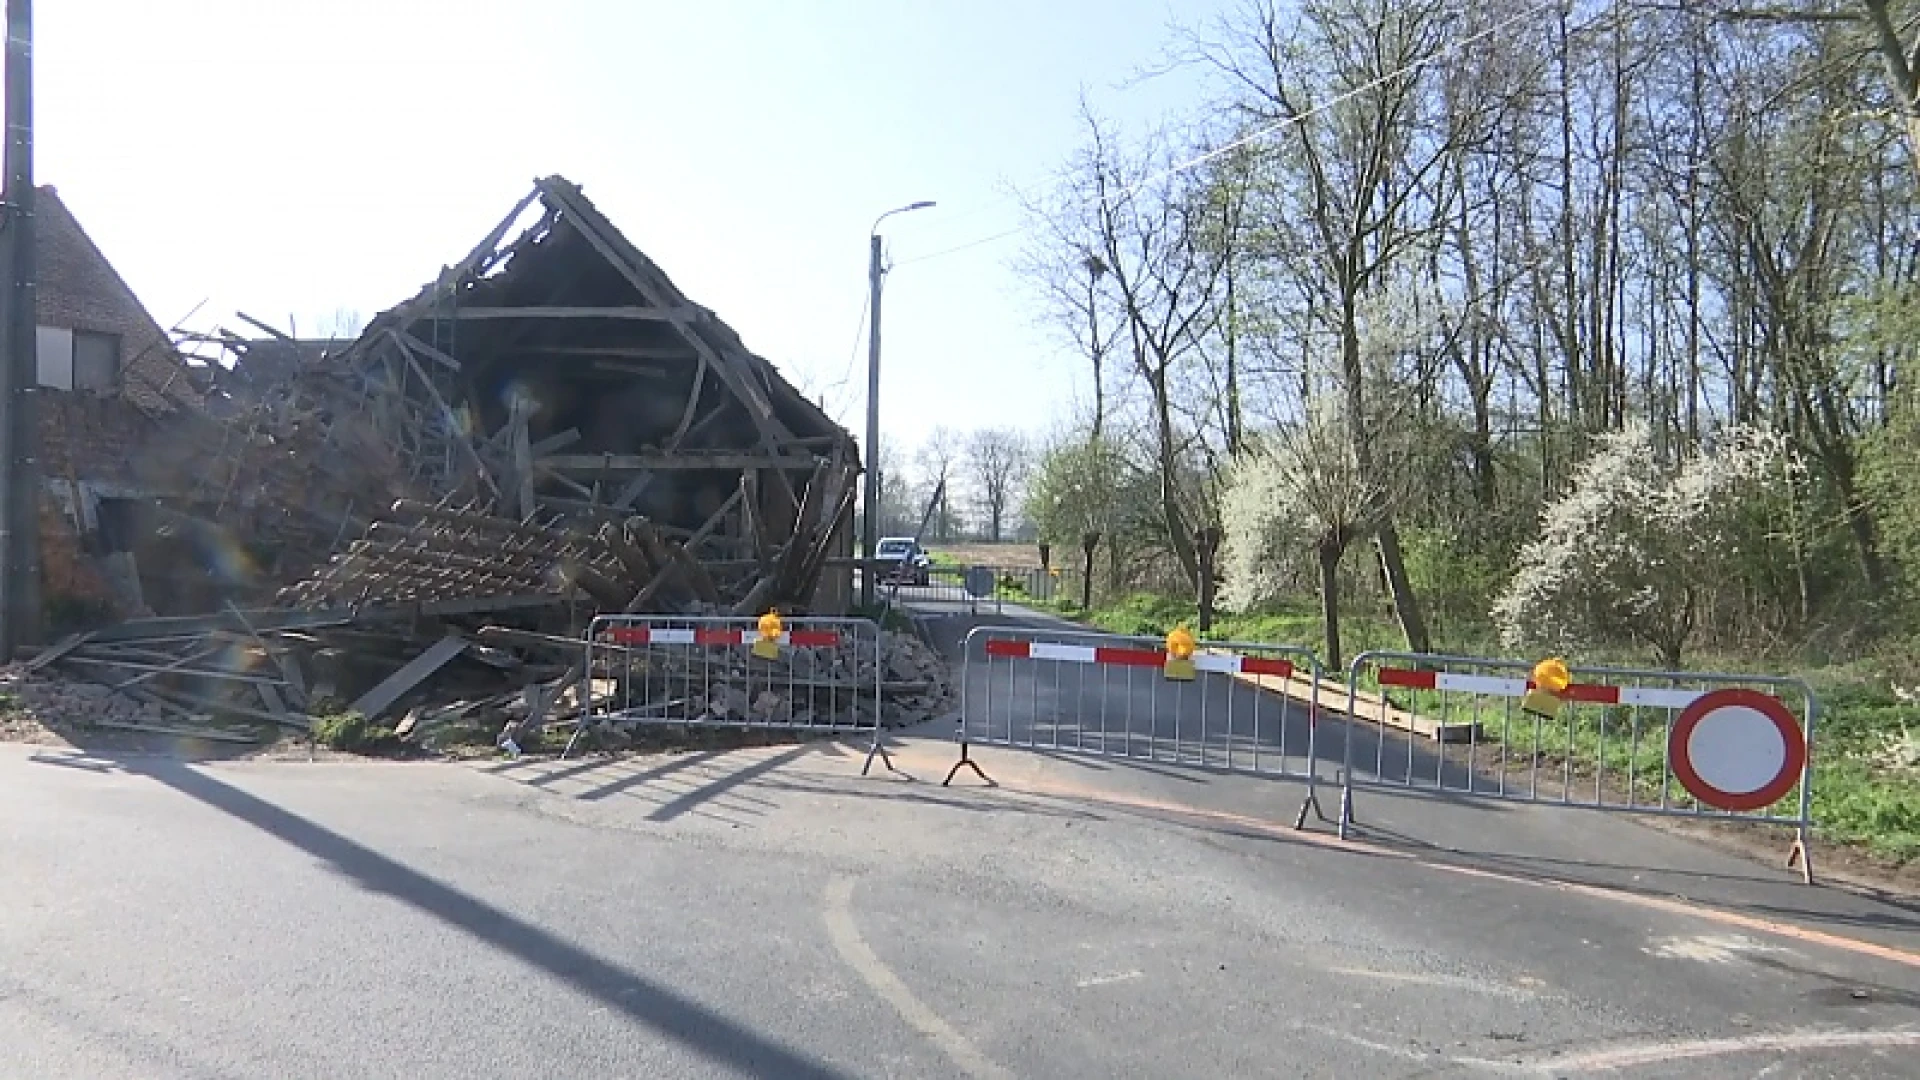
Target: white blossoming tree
1300,489
1632,550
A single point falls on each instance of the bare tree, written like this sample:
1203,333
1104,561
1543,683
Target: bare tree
1151,226
940,454
998,460
1893,37
1361,156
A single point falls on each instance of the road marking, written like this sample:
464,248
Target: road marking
1699,911
1708,948
1633,1057
1445,982
1693,909
1103,980
1351,1039
847,941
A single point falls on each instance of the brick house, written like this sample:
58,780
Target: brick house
117,409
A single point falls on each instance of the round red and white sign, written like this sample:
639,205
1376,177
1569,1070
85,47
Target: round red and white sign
1737,749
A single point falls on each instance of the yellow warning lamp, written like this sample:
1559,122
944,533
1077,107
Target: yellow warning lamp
1550,679
1180,649
768,645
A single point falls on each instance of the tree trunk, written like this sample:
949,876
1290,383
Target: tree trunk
1177,535
1235,429
1086,575
1207,543
1329,551
1406,606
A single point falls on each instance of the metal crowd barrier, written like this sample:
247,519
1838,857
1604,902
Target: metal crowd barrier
1672,743
1236,707
805,674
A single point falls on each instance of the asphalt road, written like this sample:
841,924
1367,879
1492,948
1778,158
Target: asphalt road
771,913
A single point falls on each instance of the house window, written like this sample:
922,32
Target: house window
53,351
96,361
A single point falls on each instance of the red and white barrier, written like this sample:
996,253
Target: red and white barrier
1121,656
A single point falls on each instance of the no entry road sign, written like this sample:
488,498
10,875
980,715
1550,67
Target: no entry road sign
1737,749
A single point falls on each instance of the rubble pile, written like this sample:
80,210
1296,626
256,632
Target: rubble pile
35,703
814,689
411,531
455,679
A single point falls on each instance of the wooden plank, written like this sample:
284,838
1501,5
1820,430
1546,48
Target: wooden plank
182,733
1371,708
416,671
271,697
555,443
522,451
644,314
473,456
664,461
708,527
429,351
284,660
693,403
66,645
630,494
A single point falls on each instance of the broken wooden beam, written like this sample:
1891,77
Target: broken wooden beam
416,671
677,460
643,314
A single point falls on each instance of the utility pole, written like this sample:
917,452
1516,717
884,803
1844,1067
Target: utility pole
20,618
870,521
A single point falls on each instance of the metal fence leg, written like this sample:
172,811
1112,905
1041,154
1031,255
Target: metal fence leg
1311,802
1802,855
966,759
1346,805
578,730
877,749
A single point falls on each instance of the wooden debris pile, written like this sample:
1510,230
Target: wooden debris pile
813,688
242,675
548,430
438,673
555,376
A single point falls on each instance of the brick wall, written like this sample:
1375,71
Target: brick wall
118,441
80,290
72,584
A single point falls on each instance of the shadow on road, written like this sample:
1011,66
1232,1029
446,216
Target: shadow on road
698,1028
720,785
906,792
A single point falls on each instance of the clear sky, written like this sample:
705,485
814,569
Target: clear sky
289,158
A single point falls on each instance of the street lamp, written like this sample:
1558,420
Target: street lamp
870,527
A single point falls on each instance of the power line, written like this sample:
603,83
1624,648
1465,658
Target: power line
1340,99
962,247
853,353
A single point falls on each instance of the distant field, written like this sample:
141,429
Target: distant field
1012,556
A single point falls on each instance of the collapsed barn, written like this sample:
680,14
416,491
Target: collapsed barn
548,430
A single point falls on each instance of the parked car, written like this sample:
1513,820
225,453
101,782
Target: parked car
903,561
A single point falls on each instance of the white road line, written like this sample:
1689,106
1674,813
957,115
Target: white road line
1104,980
1446,982
845,935
1633,1057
